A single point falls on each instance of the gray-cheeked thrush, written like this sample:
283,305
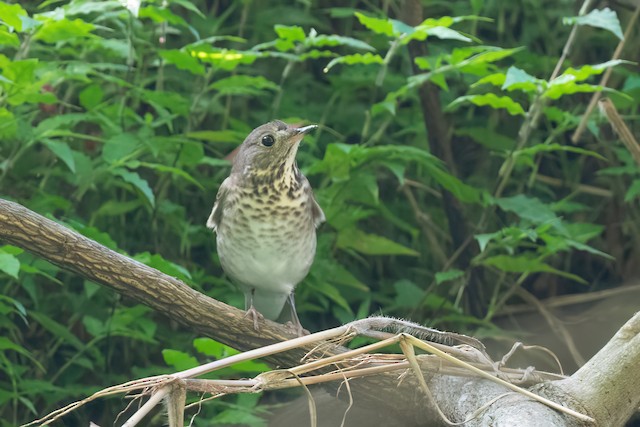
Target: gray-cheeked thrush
265,218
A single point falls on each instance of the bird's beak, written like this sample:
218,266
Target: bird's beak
305,129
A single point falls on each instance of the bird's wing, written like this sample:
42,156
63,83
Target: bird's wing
218,207
316,211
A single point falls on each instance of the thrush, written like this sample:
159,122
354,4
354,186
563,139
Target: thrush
265,218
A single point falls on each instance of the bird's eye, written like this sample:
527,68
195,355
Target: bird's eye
268,140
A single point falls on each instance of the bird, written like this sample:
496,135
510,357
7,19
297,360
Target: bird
265,217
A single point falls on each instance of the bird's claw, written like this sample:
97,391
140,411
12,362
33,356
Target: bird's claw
255,315
296,328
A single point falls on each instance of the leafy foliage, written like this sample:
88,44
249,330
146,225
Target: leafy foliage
117,123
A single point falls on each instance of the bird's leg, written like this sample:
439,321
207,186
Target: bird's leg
253,313
295,322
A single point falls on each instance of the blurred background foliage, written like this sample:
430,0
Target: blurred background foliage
117,122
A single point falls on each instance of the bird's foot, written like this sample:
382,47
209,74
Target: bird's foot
296,328
255,315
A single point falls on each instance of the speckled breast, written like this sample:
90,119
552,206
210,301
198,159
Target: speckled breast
267,239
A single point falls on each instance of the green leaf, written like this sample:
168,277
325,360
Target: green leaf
587,71
225,59
560,87
243,85
491,100
8,124
446,276
526,264
57,329
183,61
519,79
377,25
179,360
292,33
8,39
116,208
210,347
547,148
120,147
330,291
62,151
356,58
444,33
11,15
7,344
13,250
9,264
633,192
172,101
62,30
91,96
218,135
370,244
167,267
167,169
463,192
323,40
189,6
407,293
605,18
138,182
528,208
488,138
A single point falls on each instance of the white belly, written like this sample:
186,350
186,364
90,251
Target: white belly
273,257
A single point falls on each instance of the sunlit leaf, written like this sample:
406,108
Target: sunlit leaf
183,60
292,33
179,360
335,40
11,15
356,58
377,25
587,71
64,29
559,88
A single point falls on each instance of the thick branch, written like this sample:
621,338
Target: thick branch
61,246
608,384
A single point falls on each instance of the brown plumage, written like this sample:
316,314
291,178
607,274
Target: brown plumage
265,216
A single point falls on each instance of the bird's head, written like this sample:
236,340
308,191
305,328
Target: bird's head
270,148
